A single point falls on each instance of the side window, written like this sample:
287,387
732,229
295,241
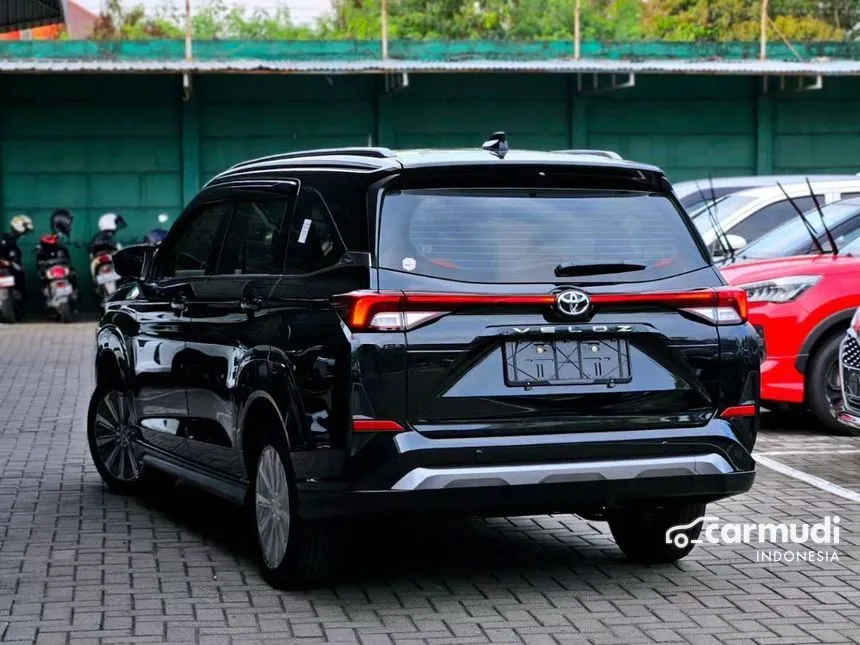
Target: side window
845,196
254,243
769,217
196,249
314,241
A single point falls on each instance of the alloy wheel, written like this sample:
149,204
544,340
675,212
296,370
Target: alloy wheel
272,505
115,437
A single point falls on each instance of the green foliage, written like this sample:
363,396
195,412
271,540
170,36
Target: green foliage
604,20
690,20
486,19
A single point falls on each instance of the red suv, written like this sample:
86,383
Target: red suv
801,306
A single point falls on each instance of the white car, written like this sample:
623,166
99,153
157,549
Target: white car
746,216
694,193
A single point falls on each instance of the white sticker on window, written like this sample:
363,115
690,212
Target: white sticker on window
408,264
303,234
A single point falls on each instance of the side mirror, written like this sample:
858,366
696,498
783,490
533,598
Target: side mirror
736,241
134,261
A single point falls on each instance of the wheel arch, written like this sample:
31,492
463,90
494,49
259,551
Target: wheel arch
111,363
260,414
834,323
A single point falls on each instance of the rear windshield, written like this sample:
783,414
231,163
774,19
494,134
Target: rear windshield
507,235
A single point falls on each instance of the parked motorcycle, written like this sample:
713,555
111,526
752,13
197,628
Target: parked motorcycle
13,292
102,247
56,274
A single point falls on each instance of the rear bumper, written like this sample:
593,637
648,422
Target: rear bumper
495,501
539,474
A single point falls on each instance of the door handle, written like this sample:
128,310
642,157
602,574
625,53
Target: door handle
250,304
178,305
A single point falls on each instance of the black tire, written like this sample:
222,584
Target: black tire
640,532
64,311
308,558
7,311
822,393
100,450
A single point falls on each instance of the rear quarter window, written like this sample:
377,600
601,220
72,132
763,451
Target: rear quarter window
507,235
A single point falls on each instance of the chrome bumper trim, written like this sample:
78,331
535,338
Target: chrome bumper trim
584,471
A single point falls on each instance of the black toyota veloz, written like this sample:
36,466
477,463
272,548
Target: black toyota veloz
483,332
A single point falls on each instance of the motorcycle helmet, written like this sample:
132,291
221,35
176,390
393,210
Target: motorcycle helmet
61,221
111,222
155,237
21,224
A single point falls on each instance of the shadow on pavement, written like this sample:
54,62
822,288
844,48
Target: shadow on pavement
408,547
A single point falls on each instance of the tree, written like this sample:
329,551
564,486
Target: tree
214,20
119,23
486,19
689,20
521,20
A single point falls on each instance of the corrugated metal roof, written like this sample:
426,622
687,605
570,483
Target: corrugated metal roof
26,14
585,66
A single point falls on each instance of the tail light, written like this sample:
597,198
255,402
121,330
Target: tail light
400,311
4,263
57,272
103,257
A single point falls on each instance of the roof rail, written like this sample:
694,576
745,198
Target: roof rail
594,153
358,151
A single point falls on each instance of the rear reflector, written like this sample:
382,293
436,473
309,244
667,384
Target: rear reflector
56,272
394,310
375,425
739,411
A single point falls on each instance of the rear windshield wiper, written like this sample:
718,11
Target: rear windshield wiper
567,269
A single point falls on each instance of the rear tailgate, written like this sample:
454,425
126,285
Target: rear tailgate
510,364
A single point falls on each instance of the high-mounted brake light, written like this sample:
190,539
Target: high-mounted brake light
398,311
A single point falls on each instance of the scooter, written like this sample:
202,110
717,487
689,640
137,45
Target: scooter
56,274
13,293
102,247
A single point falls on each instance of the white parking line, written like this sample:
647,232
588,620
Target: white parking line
818,482
843,451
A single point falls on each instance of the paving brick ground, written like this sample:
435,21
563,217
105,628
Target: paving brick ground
79,565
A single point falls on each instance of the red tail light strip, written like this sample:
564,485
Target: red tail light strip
739,411
375,425
363,305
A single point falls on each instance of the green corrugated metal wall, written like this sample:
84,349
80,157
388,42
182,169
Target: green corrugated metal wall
131,145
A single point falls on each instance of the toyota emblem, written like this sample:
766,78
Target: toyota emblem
572,303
